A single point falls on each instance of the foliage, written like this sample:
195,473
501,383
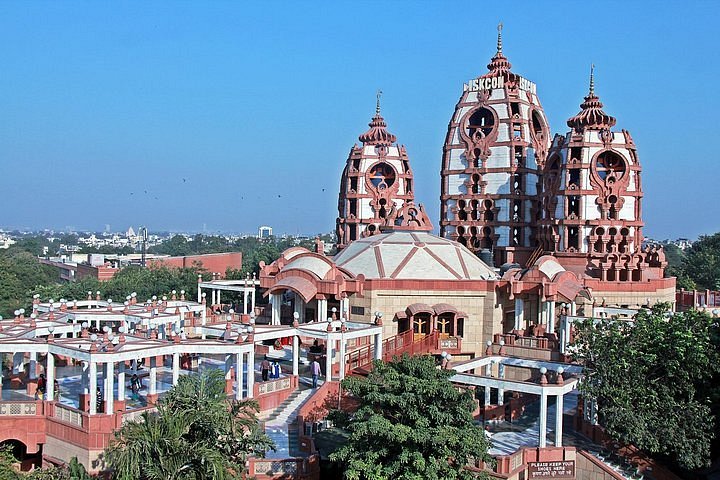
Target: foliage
702,263
412,424
73,471
20,274
196,434
654,380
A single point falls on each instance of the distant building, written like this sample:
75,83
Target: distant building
264,232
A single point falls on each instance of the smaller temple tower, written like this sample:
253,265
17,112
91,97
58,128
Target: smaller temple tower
591,200
376,189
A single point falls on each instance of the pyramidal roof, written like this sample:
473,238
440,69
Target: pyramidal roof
412,255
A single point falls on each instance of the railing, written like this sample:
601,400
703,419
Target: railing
273,386
68,415
136,415
284,468
401,343
697,298
18,408
511,339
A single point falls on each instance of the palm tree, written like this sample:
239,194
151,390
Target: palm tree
196,434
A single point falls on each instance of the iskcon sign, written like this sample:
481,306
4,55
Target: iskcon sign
487,83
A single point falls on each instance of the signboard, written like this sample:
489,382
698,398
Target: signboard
563,469
488,83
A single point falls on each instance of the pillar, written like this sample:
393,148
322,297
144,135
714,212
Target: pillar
50,377
218,297
252,299
18,361
175,368
152,388
296,355
543,419
559,420
228,373
488,391
551,317
109,387
199,294
32,371
239,374
328,359
245,300
93,387
519,313
213,297
501,391
276,308
251,374
121,382
378,346
322,310
573,309
84,377
300,308
341,364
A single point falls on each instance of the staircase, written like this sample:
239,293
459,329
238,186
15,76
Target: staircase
281,427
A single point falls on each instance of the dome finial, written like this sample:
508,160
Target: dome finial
377,106
499,43
592,79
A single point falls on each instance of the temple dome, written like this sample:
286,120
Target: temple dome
412,255
591,115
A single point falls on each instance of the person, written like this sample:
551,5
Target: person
315,371
41,387
135,385
275,370
56,390
265,369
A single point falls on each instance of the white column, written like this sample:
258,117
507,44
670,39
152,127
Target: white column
213,296
93,387
50,378
519,313
558,420
551,317
218,297
300,308
322,310
501,391
543,419
296,355
593,412
121,381
228,366
109,384
245,301
328,359
488,392
152,388
276,308
175,368
18,361
378,346
199,294
84,377
33,366
239,374
488,369
252,300
341,364
573,309
251,374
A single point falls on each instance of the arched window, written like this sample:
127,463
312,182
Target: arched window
481,119
382,176
610,166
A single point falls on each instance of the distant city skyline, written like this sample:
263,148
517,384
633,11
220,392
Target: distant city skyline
223,117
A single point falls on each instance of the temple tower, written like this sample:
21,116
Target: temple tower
376,189
495,149
591,202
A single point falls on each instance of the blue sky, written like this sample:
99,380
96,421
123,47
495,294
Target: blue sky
232,115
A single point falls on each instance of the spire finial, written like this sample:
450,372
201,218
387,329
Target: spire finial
377,106
592,79
499,44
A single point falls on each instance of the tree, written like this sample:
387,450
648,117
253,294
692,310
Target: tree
73,471
197,433
654,380
702,262
412,424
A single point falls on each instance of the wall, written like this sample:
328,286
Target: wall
213,262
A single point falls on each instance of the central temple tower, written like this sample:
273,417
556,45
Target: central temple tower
495,149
